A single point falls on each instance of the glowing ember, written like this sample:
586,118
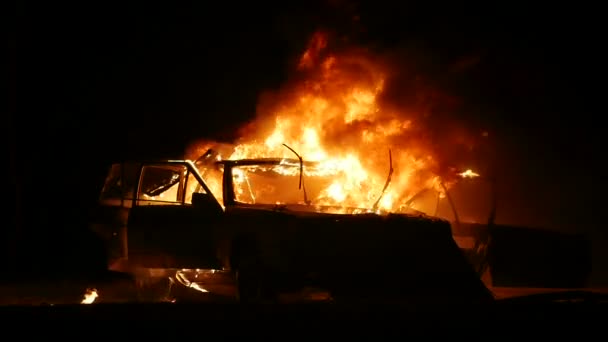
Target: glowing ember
89,296
182,279
335,117
468,174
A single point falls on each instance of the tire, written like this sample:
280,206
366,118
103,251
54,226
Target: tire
248,282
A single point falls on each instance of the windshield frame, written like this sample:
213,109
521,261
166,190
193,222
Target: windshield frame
228,191
229,195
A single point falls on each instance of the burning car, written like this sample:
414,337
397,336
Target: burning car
271,229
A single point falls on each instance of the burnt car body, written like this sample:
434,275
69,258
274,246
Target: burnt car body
507,255
163,215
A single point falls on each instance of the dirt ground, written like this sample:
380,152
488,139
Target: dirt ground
216,287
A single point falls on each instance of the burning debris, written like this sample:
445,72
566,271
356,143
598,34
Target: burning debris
182,278
89,296
336,117
468,174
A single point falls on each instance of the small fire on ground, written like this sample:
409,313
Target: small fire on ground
89,296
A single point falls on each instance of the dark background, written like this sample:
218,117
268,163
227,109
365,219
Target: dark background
90,83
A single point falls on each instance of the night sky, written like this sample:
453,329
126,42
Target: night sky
94,83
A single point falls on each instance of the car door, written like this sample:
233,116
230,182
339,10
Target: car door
174,218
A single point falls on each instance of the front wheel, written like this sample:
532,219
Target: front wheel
248,289
250,284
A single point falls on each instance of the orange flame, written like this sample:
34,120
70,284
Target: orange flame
90,296
469,174
317,43
335,117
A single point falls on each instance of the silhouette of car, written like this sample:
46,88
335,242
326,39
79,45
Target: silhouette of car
254,219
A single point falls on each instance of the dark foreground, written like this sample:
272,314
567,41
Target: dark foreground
216,312
346,319
34,300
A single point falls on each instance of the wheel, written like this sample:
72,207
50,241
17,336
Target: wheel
248,283
251,282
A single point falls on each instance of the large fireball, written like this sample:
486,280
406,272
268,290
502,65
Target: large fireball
333,114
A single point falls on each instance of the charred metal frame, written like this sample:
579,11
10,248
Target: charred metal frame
301,183
228,165
189,167
388,180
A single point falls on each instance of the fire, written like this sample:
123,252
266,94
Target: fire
335,117
89,296
468,174
181,277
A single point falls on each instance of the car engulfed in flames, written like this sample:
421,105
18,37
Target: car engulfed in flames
343,180
322,188
273,230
